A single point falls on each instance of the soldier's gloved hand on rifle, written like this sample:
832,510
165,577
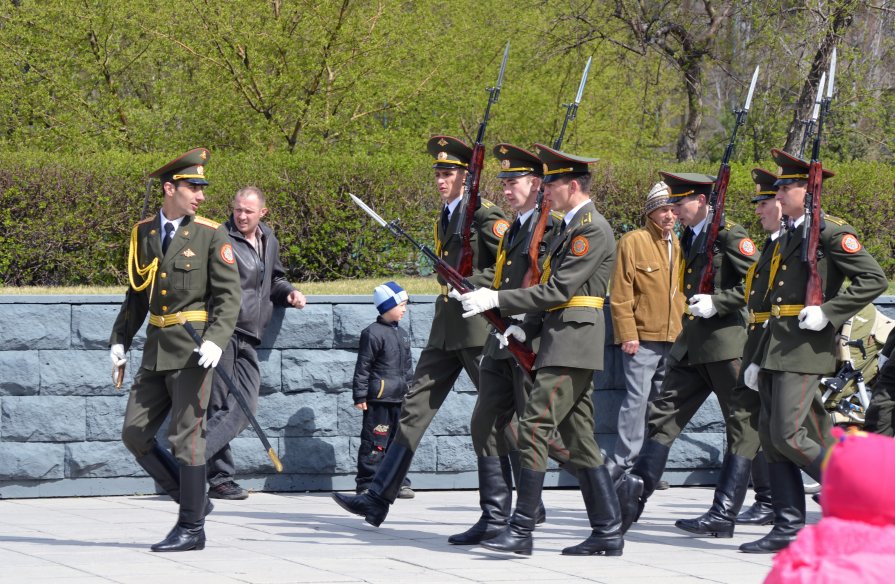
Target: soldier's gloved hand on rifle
209,354
750,376
116,355
452,293
701,305
812,318
512,331
478,301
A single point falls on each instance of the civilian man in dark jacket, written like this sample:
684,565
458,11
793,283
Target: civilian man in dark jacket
263,282
382,376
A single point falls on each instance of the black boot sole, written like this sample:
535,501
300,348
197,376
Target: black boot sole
372,520
702,531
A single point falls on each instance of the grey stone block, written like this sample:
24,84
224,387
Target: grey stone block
19,373
420,322
105,416
454,415
425,458
91,326
306,414
308,328
606,406
692,451
455,454
100,459
708,417
249,456
26,327
316,455
349,320
32,461
77,373
270,362
464,384
350,418
43,419
305,370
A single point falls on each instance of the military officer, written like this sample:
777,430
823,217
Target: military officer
798,347
705,357
565,310
731,488
455,344
503,385
178,264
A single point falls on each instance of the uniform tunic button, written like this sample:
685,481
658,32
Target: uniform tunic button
507,280
689,286
691,317
779,299
187,265
445,254
751,292
509,262
689,270
780,283
751,327
164,274
164,292
164,308
783,267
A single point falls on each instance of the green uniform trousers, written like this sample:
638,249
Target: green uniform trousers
686,388
560,401
794,426
436,372
183,392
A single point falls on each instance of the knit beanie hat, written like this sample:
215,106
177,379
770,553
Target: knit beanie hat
387,296
657,197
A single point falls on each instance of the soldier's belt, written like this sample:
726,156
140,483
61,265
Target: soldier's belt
778,310
758,317
171,319
576,301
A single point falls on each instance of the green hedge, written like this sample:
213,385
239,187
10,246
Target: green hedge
66,220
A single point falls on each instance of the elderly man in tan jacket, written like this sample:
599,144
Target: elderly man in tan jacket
646,316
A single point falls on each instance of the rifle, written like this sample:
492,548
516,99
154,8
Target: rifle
524,355
471,199
719,196
537,228
809,125
814,291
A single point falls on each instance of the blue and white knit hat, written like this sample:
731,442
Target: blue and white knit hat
387,296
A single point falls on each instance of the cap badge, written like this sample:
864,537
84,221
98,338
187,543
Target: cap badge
504,163
442,142
200,170
189,253
503,150
203,155
442,156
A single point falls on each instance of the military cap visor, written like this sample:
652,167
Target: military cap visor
449,152
764,185
558,164
792,168
189,167
516,162
685,184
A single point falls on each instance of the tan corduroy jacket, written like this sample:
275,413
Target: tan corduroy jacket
645,301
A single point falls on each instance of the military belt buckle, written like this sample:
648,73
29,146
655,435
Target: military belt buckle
751,317
775,310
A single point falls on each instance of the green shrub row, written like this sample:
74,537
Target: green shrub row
66,220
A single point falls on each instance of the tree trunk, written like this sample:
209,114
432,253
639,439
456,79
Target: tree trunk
687,144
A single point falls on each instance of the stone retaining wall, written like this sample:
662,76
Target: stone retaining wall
60,416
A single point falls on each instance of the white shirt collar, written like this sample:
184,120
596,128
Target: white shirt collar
524,217
175,222
798,221
699,227
776,234
452,206
571,214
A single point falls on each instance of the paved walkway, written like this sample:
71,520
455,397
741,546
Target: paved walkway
280,538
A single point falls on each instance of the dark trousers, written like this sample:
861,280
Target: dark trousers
880,417
794,425
184,393
225,418
502,394
380,426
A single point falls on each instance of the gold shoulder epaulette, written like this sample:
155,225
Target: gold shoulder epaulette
557,215
147,220
206,222
835,220
487,204
728,225
587,218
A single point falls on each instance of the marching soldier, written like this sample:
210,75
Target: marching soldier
565,310
503,385
798,347
722,516
705,357
455,344
178,264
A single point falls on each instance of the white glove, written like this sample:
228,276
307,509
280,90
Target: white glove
478,301
750,376
812,318
209,354
116,355
512,331
881,361
452,293
701,305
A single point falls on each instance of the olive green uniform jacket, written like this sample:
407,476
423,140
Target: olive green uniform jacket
450,331
785,346
721,337
758,301
579,263
198,273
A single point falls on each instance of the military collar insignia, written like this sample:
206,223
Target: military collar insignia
189,253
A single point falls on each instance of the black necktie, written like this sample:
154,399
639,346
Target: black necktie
687,240
169,235
514,230
445,217
562,227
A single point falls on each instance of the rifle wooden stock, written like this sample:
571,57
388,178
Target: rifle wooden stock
533,275
719,197
471,203
814,292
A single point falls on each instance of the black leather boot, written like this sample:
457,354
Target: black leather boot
649,466
516,537
516,463
761,512
788,500
495,499
813,469
604,513
165,470
629,488
373,504
720,519
189,533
